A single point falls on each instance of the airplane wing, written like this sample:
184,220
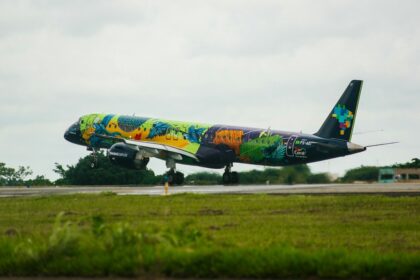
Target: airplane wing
153,149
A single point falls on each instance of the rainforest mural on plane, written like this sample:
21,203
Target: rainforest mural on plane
248,145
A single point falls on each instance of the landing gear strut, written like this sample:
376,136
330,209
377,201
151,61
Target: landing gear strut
229,177
173,177
94,156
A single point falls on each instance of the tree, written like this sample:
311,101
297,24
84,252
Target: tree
363,173
104,174
415,163
39,180
203,178
319,178
11,177
295,174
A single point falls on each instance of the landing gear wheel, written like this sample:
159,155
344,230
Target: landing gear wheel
226,178
179,178
230,178
175,178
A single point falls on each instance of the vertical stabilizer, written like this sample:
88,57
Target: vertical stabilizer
340,122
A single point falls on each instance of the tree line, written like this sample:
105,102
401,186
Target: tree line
108,174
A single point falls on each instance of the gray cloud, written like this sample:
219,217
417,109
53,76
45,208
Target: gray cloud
281,64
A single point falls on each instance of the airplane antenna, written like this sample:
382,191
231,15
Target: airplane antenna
381,144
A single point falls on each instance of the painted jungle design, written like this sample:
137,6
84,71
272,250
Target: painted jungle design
237,144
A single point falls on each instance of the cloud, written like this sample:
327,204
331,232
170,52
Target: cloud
278,64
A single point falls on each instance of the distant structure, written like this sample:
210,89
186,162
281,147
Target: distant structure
401,175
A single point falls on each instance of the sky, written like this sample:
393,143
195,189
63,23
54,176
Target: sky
277,64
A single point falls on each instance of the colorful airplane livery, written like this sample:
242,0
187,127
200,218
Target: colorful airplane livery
132,140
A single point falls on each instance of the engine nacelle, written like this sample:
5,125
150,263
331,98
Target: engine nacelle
123,155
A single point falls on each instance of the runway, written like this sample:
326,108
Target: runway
333,189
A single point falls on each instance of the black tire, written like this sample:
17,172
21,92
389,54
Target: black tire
144,163
226,178
179,178
170,179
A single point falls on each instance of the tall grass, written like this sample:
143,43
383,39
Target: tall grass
90,246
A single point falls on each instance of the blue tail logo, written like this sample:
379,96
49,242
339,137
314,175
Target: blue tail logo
344,117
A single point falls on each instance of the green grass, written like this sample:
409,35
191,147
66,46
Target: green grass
249,236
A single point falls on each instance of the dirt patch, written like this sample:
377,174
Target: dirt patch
70,213
214,228
11,232
228,225
211,212
281,212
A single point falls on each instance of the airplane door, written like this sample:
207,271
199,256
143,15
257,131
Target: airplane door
290,145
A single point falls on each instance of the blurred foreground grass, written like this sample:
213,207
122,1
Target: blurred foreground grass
252,236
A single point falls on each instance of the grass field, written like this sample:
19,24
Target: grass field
251,236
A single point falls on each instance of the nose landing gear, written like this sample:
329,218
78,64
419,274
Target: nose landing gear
229,177
94,157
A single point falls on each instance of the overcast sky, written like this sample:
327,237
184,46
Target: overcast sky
278,64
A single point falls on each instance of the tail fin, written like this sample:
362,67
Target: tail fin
340,122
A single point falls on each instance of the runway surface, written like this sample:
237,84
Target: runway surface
389,189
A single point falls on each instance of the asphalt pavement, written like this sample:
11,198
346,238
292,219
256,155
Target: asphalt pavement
388,189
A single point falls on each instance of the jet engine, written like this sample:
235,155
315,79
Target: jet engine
123,155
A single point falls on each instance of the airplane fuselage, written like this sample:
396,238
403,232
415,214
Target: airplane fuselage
131,141
212,146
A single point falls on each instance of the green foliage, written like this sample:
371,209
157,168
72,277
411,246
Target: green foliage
319,178
12,177
296,174
363,173
91,247
252,236
203,178
415,163
105,173
39,180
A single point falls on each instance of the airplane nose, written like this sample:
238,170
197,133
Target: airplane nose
73,134
67,135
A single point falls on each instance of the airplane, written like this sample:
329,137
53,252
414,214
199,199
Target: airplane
131,141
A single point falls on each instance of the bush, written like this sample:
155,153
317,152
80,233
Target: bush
104,174
363,173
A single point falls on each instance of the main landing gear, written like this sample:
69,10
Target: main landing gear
229,177
173,177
